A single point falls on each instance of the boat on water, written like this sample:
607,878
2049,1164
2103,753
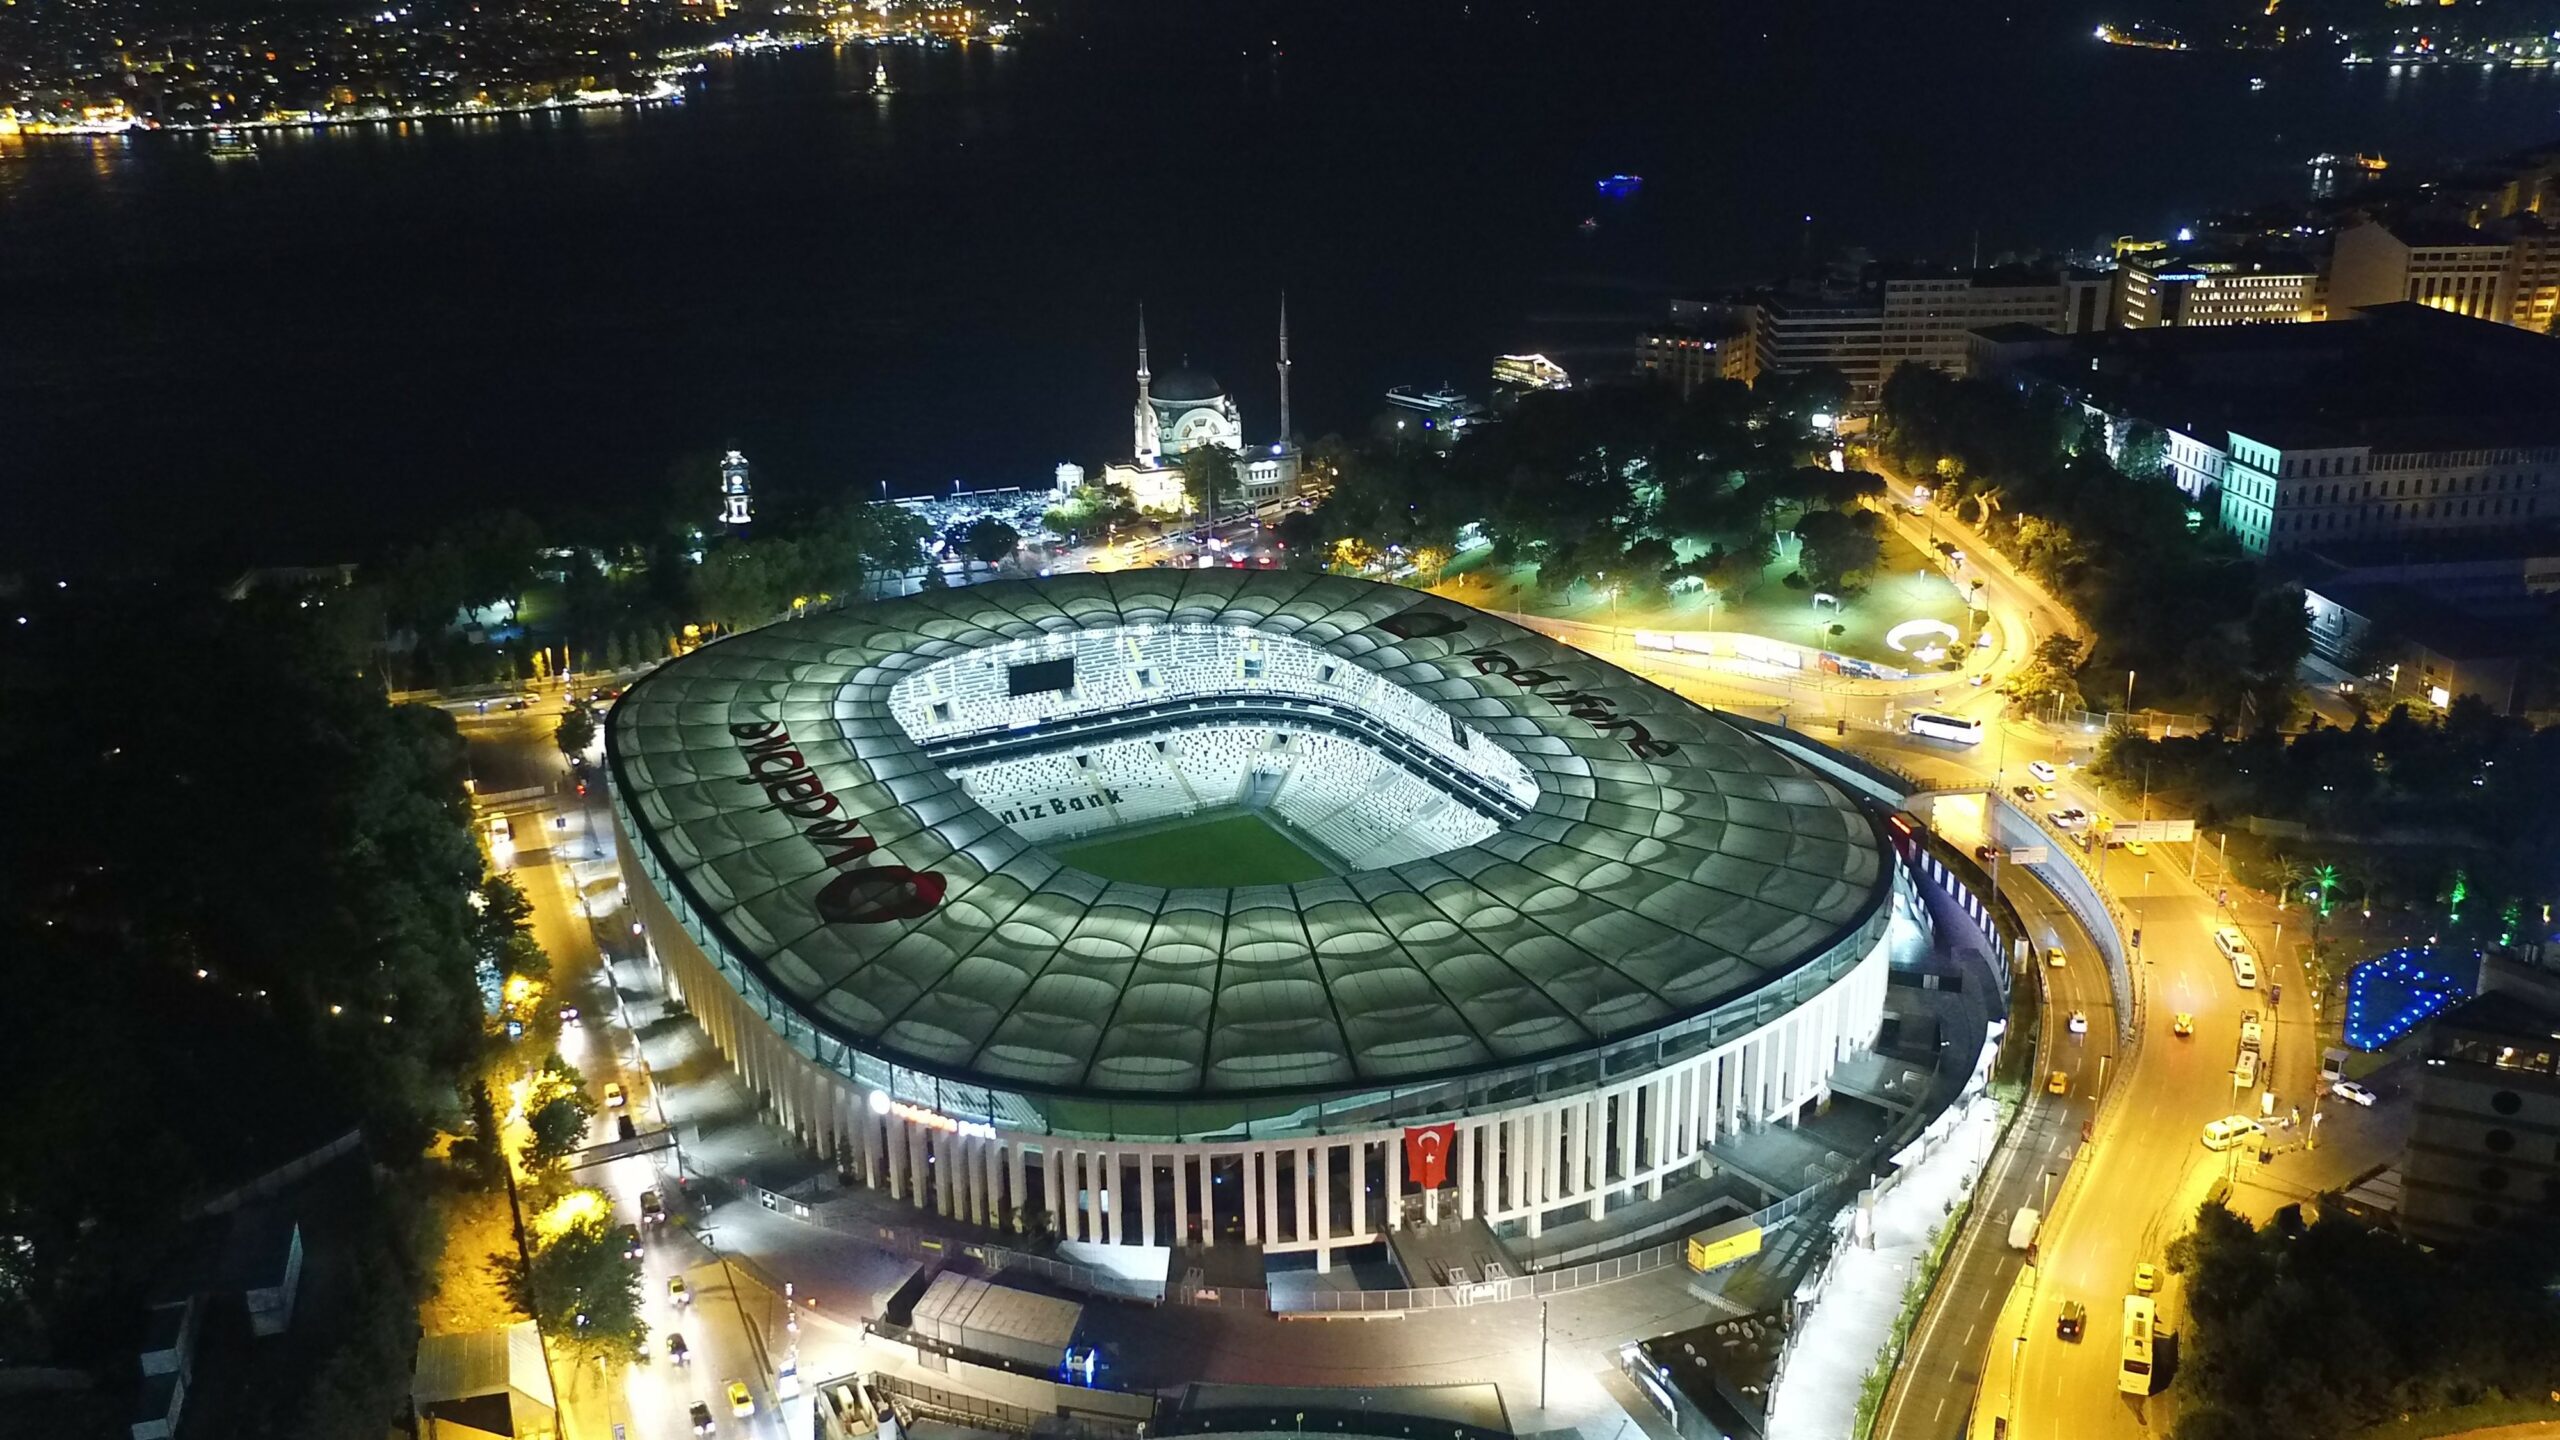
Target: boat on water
880,84
2368,163
231,145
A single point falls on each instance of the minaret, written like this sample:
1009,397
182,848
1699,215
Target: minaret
1149,443
1284,367
737,504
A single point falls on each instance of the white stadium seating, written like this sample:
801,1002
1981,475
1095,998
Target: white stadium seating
1351,801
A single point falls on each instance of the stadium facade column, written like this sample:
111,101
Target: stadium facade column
1357,1152
1514,1169
1395,1182
1021,1195
1271,1196
1657,1104
869,1124
1250,1161
1588,1164
1181,1199
991,1212
919,1172
1053,1187
1146,1197
1626,1136
1319,1189
1208,1201
1467,1148
896,1145
1535,1151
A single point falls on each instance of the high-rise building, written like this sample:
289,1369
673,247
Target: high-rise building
2218,289
1895,316
2508,271
737,500
2482,1154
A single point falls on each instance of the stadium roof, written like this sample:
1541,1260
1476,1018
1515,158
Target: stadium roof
1671,864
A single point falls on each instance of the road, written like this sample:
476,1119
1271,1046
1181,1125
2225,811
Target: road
562,857
2142,1178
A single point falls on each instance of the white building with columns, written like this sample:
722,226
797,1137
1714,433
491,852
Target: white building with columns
1576,928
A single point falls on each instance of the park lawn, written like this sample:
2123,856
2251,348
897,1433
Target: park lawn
1904,587
1218,852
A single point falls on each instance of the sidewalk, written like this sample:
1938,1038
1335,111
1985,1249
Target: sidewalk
1844,1334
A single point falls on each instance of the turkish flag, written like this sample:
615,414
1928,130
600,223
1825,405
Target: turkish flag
1426,1153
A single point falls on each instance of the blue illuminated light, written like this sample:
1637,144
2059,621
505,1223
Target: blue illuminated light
2397,986
1619,187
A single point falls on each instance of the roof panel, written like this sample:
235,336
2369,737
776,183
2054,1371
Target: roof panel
1639,889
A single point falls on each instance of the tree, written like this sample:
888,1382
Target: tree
557,1129
1208,478
2051,675
989,540
577,730
1839,549
2144,455
581,1289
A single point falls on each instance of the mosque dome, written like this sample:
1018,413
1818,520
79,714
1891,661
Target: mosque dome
1186,386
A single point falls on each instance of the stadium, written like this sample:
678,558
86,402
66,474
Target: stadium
1189,907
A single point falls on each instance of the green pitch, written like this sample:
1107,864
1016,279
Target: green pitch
1218,852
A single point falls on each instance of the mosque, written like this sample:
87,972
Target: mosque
1186,408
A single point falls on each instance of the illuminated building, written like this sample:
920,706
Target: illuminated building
2397,423
2201,289
2480,1155
1570,929
1530,372
2508,272
737,500
1185,408
1899,316
1690,358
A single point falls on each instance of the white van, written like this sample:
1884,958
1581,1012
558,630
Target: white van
2244,1076
2245,971
2022,1227
2250,1035
2043,772
2228,1131
2230,942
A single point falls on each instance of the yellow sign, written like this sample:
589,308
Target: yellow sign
1711,1249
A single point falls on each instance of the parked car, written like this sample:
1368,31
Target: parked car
2146,1278
2350,1090
2228,1131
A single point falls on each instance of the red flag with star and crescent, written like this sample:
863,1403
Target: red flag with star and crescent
1426,1153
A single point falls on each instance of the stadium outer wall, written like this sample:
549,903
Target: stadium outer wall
1616,1142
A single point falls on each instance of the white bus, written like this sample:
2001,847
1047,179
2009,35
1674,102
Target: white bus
2134,1376
1947,727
